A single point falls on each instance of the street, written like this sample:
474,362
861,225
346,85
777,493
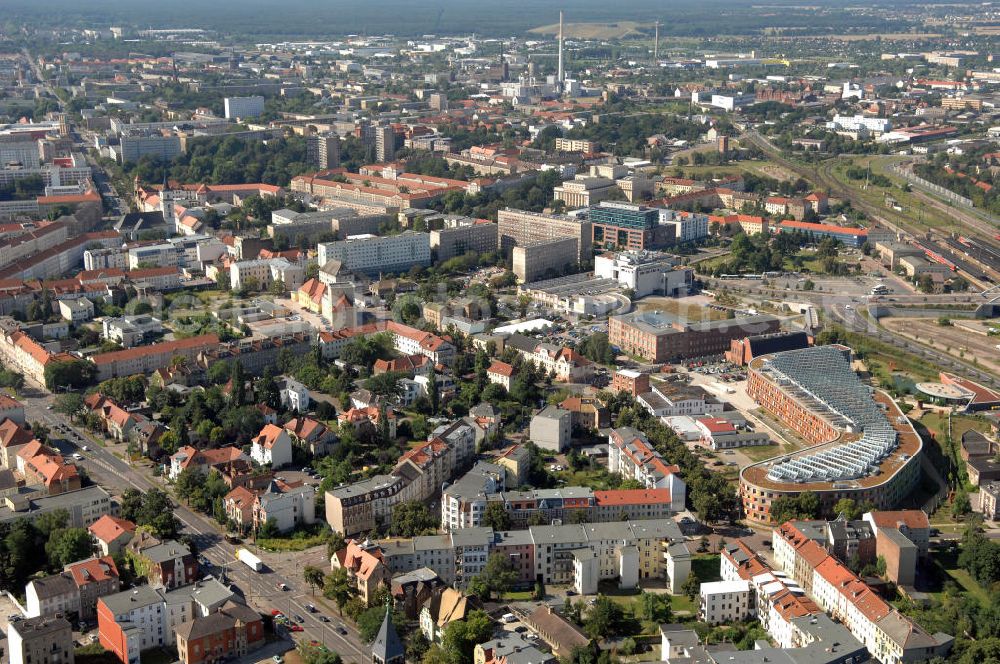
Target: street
260,590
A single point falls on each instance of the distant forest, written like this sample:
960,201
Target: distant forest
329,18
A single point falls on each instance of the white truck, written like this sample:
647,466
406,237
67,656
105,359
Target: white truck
250,560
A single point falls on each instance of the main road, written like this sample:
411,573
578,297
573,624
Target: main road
260,590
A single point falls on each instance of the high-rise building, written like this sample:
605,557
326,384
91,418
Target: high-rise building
323,150
387,141
520,228
244,107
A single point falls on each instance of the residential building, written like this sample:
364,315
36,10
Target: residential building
232,632
446,605
147,359
631,455
272,447
373,254
323,150
725,602
365,568
243,107
552,428
111,534
521,228
169,564
537,260
500,373
41,640
285,506
890,637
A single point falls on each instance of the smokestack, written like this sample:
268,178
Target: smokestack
560,75
656,41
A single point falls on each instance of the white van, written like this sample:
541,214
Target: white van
508,618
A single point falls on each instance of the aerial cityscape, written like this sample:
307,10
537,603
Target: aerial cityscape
517,332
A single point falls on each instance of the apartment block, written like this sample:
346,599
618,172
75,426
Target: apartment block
544,259
521,228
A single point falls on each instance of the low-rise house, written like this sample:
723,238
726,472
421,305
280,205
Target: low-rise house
312,435
233,632
272,447
445,606
168,564
365,568
202,461
75,590
111,534
294,395
725,602
13,437
365,419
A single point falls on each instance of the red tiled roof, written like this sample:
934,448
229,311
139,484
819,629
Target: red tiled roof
632,497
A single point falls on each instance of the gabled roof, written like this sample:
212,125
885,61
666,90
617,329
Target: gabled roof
109,528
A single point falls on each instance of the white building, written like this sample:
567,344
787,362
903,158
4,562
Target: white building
688,227
860,123
724,602
130,331
288,509
272,446
645,272
295,396
372,254
163,254
243,107
78,310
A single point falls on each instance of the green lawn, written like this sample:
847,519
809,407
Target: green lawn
969,585
291,543
706,566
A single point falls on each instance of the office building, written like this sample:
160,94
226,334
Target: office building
478,236
624,225
645,272
243,107
861,445
660,337
584,191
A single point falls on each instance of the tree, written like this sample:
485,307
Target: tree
69,404
68,546
498,575
72,374
268,530
337,586
496,516
239,392
461,636
848,508
655,607
604,619
410,519
269,392
433,392
691,587
314,577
